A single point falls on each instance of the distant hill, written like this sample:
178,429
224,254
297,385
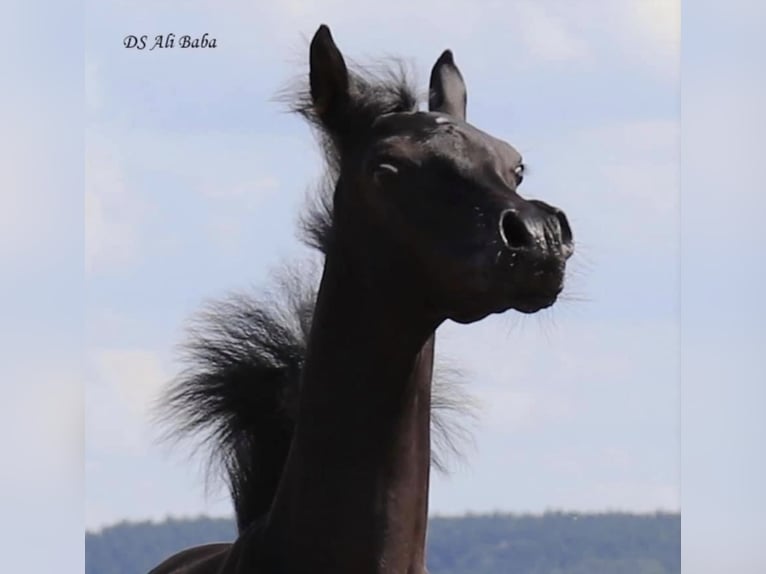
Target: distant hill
553,543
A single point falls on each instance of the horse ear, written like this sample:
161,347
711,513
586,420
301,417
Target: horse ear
447,91
328,75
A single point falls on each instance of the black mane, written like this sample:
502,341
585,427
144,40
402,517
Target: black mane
373,93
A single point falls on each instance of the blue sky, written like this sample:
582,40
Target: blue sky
723,312
553,379
194,178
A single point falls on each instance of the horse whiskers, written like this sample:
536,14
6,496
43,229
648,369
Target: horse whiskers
574,298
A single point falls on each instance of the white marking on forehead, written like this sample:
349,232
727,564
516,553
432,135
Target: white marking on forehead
442,120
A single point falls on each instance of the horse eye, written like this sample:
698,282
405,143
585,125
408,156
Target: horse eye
383,170
518,172
388,167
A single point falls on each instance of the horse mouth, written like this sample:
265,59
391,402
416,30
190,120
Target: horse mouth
534,303
528,286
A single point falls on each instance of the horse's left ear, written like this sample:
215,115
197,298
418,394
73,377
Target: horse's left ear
447,91
328,77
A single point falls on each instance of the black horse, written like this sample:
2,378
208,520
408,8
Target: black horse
331,475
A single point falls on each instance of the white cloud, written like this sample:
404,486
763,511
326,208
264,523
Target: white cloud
110,327
245,191
225,232
512,411
646,31
538,32
533,380
575,462
545,34
113,213
136,375
624,185
228,170
660,20
642,161
121,387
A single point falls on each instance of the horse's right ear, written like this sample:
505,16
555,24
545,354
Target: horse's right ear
328,77
447,92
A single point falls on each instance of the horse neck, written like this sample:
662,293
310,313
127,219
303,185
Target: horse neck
354,492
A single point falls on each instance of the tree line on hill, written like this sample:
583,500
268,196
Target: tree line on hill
552,543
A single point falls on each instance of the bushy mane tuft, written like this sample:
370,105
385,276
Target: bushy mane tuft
237,397
373,92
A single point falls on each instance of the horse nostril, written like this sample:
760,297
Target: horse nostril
514,231
566,231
